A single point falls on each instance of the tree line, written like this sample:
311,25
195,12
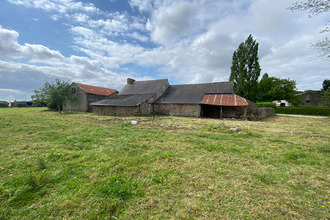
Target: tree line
245,72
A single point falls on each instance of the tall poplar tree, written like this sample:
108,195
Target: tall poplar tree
245,69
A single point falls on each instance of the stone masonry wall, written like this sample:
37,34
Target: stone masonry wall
115,110
263,112
178,109
121,110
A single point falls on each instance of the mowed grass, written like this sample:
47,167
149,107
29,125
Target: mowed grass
83,166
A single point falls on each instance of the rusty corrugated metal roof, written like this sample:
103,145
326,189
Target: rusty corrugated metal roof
96,90
224,100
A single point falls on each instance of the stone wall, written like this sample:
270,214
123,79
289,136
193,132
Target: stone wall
116,110
263,112
121,110
178,109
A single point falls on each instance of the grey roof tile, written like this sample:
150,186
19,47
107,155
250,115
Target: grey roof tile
193,93
143,87
123,100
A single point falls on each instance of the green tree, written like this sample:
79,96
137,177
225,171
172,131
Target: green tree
4,104
326,97
325,92
272,88
54,94
326,84
314,8
245,69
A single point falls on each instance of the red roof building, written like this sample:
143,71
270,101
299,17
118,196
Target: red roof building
96,90
86,94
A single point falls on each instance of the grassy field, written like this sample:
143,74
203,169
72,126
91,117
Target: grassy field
83,166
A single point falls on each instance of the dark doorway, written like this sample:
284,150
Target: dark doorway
215,111
211,111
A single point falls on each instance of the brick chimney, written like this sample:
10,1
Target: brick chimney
130,81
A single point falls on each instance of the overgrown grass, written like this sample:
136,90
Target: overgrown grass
83,166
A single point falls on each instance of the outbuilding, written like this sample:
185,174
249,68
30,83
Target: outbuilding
85,95
214,100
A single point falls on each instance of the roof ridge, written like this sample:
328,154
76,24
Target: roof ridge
92,85
151,80
202,83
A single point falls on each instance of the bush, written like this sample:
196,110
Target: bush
21,104
323,111
266,104
3,104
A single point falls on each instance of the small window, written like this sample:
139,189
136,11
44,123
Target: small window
307,101
74,90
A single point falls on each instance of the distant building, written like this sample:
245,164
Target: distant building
86,94
311,98
282,103
12,104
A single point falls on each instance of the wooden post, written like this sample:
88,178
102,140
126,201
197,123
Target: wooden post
220,112
245,110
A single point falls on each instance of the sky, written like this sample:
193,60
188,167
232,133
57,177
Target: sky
103,42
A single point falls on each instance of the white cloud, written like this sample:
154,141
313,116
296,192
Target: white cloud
82,31
173,22
138,36
142,5
61,6
10,90
39,52
8,42
81,18
9,47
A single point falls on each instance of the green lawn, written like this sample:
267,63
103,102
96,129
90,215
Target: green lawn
83,166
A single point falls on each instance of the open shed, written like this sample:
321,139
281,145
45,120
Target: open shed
223,105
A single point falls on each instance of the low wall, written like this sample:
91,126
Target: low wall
178,109
115,110
121,110
263,112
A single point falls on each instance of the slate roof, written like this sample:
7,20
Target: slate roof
123,100
224,100
133,94
193,93
143,87
96,89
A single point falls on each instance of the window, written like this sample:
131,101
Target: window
74,90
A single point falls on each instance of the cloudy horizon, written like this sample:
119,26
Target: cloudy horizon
103,42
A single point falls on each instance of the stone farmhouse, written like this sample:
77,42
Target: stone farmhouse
136,98
215,100
85,95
